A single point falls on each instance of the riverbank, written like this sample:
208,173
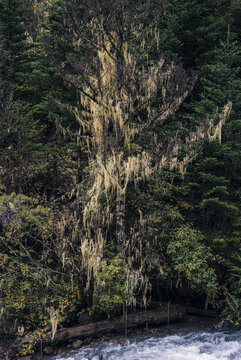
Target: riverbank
188,340
67,339
119,343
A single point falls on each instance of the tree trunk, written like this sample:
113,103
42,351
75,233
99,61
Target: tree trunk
120,221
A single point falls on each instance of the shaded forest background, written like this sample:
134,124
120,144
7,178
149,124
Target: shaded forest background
111,192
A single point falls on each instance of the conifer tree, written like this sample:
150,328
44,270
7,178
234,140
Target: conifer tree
13,47
127,90
13,88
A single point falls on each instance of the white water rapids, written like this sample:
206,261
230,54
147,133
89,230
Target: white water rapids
184,345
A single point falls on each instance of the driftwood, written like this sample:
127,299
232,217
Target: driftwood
162,315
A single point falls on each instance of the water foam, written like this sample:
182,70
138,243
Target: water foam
183,346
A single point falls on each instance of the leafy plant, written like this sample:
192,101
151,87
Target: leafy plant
111,283
191,260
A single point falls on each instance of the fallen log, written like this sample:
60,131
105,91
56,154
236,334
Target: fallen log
135,320
162,315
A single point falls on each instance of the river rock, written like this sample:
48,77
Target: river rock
48,350
87,341
61,351
77,344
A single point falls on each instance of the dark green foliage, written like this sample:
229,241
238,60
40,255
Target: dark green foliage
191,260
111,287
186,232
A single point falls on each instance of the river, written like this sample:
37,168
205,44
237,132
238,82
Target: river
179,342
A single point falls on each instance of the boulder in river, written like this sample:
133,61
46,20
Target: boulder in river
48,350
77,344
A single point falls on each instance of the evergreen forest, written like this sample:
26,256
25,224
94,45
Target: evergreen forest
120,159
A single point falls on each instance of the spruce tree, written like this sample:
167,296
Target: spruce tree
14,131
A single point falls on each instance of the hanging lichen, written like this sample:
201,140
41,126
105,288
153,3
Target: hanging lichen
118,91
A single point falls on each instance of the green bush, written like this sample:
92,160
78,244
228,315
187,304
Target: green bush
191,260
111,286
